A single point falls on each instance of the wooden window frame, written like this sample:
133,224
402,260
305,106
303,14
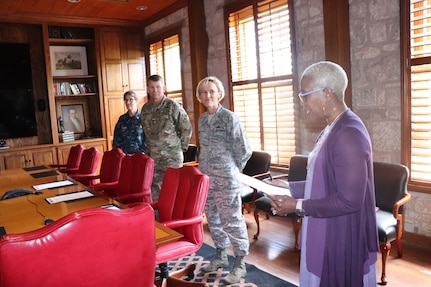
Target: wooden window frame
177,94
407,63
282,153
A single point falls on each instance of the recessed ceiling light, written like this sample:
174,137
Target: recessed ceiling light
141,8
74,1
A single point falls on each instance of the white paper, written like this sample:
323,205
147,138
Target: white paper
262,186
69,196
53,184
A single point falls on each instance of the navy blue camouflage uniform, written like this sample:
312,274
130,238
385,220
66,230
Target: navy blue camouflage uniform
128,134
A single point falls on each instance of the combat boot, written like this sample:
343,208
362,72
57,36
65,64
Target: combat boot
239,270
219,261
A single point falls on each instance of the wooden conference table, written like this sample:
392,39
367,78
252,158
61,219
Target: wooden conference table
26,213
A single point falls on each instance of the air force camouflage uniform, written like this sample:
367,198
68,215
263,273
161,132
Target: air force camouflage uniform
224,151
128,134
167,131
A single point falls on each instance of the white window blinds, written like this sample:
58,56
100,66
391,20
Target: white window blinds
165,60
261,70
420,97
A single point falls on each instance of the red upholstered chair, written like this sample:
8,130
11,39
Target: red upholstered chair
73,160
136,177
87,248
180,206
89,163
109,171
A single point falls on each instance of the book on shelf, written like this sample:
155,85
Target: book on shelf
75,89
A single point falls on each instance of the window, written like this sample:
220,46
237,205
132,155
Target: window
417,108
165,60
262,75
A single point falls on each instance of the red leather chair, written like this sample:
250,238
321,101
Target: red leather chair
136,177
88,165
73,160
109,172
180,206
87,248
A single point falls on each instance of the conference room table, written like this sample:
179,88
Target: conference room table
54,196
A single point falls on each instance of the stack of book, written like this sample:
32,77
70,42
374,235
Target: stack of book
68,136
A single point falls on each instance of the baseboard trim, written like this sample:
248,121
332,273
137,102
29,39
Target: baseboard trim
416,239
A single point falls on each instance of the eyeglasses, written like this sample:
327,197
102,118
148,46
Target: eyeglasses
302,95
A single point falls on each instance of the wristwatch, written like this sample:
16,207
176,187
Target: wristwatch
300,212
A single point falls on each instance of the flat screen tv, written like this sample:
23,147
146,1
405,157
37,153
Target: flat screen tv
17,112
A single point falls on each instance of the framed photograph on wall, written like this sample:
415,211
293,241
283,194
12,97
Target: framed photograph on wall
73,117
68,60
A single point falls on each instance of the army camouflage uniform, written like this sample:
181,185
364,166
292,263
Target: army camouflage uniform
128,134
224,151
167,131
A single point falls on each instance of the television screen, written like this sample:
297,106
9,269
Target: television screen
17,113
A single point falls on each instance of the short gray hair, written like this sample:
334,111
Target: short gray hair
328,74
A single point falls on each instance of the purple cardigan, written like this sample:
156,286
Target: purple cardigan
342,240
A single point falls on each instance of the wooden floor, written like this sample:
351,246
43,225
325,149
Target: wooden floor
273,252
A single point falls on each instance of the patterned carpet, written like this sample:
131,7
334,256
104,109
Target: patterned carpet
255,277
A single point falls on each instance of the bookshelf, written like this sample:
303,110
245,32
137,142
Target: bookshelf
75,83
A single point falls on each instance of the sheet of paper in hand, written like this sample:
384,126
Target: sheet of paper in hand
262,186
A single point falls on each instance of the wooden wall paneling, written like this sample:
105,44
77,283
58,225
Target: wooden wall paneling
123,69
199,51
32,35
337,38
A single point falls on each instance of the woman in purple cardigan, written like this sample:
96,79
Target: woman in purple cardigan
339,242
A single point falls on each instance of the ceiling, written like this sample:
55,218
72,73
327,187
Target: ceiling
90,9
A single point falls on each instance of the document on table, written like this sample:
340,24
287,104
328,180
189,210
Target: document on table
262,186
69,196
54,184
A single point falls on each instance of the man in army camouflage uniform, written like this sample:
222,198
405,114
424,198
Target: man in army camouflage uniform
167,131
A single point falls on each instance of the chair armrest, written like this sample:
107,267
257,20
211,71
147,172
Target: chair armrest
280,181
183,222
262,175
58,165
105,185
191,163
84,176
155,205
132,196
406,198
281,176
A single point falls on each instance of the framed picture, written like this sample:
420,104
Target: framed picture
72,118
68,60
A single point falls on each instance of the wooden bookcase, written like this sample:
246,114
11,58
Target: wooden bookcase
73,76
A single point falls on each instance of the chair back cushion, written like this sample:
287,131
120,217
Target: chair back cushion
297,168
89,161
258,163
183,195
191,154
74,158
390,183
136,177
111,165
93,247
